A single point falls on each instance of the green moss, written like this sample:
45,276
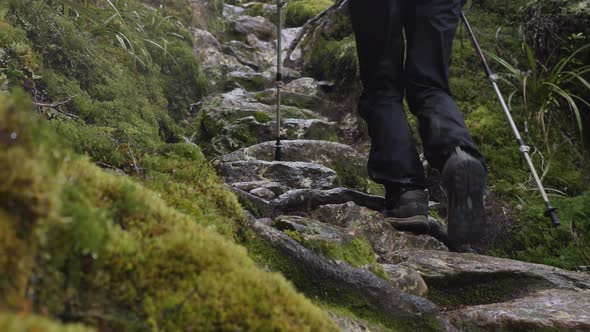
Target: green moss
357,252
29,191
257,9
322,133
18,62
350,176
299,11
255,83
295,235
294,100
535,240
295,112
10,322
375,188
262,117
434,214
335,60
16,261
112,253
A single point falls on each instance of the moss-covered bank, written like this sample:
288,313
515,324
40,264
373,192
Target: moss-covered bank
145,242
106,251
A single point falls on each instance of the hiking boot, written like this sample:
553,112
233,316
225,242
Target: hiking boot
464,181
407,210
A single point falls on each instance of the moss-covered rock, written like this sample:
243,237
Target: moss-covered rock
299,11
329,54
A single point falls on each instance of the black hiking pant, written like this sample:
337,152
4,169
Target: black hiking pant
429,27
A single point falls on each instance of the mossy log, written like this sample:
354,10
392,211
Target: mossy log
385,298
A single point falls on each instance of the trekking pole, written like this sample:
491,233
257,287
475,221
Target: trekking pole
279,78
551,212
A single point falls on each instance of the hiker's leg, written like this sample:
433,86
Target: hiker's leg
430,30
430,33
378,30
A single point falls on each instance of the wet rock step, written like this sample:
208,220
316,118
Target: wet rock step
549,310
244,53
239,103
233,120
349,164
296,175
437,265
360,221
251,130
304,92
258,26
457,279
248,80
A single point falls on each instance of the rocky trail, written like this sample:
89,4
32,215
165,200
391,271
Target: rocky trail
314,207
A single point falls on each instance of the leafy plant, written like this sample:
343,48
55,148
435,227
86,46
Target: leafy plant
548,90
128,25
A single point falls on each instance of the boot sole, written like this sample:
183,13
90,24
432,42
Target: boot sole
465,192
415,224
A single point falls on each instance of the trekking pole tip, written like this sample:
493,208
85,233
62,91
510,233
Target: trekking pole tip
552,213
278,153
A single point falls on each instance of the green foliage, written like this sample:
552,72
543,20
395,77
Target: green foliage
257,9
182,81
566,247
298,12
178,9
18,63
546,91
108,252
112,50
561,162
21,323
550,26
335,60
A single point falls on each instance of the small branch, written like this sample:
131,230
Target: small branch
135,166
105,165
56,106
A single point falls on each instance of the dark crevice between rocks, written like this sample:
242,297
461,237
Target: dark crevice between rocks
476,289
